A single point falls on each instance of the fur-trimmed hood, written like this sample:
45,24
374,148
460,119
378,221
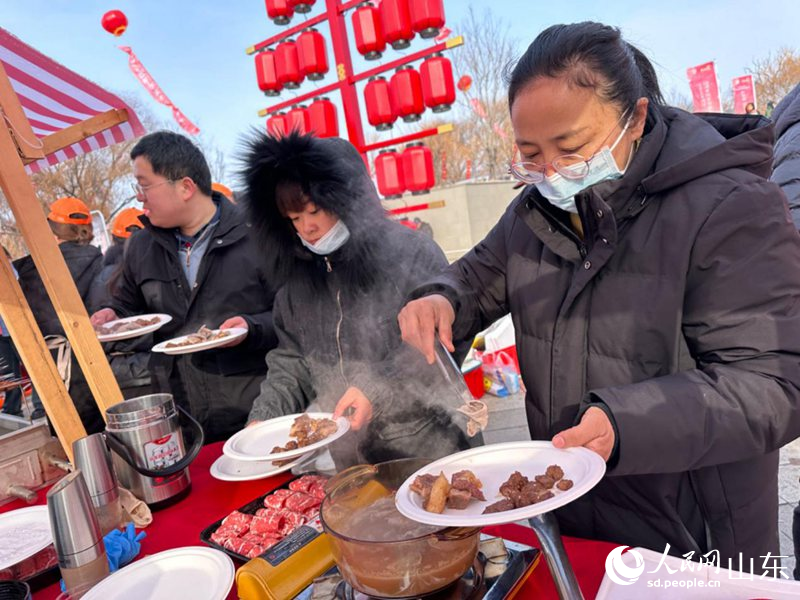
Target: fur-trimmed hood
333,174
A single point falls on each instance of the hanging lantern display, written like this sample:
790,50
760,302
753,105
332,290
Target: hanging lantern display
406,87
418,173
114,22
322,119
277,125
380,111
287,65
396,23
438,89
312,54
427,17
280,11
389,172
297,119
266,74
301,6
368,31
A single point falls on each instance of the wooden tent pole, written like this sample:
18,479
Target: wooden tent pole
39,363
30,219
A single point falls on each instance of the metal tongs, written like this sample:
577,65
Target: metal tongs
475,410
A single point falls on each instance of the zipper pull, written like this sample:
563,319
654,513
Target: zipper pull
328,264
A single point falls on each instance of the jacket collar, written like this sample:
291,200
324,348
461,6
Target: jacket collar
230,229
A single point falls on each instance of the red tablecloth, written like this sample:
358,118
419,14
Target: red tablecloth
210,499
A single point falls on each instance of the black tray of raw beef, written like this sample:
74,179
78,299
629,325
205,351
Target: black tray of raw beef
258,525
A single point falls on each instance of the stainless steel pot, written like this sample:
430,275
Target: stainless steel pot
148,449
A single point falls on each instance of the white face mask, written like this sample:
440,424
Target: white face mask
336,237
560,191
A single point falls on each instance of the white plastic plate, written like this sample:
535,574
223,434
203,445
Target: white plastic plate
256,442
235,333
125,335
193,572
23,533
226,468
493,465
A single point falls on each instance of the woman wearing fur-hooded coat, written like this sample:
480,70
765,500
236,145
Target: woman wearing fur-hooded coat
335,314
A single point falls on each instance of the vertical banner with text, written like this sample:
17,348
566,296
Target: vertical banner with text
744,92
705,90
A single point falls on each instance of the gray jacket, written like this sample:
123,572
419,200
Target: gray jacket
786,173
678,314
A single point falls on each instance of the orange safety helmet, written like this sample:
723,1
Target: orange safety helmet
223,189
126,221
70,210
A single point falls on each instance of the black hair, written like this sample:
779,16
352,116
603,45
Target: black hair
174,156
592,55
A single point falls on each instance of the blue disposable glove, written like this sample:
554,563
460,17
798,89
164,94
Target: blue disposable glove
122,546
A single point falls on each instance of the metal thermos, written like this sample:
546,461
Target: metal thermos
76,534
92,457
147,446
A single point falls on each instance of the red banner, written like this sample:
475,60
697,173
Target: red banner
705,90
744,93
144,77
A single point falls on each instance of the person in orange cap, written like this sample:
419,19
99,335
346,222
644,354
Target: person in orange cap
126,222
224,190
71,222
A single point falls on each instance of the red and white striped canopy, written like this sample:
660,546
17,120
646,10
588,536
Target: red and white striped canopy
53,97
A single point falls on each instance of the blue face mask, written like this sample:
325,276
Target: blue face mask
560,191
336,237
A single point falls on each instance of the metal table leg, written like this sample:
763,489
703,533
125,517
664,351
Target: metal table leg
546,528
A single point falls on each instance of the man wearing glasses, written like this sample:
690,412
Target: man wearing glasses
197,262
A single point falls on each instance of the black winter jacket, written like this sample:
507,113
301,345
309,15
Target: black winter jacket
679,313
336,316
129,359
217,386
84,263
786,174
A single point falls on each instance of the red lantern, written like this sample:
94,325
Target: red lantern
389,172
302,6
464,83
297,119
266,73
437,83
418,169
114,22
427,17
322,119
396,23
279,11
406,86
287,65
278,125
377,96
312,55
369,34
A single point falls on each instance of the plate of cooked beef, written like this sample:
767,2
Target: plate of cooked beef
202,339
285,437
498,483
131,327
